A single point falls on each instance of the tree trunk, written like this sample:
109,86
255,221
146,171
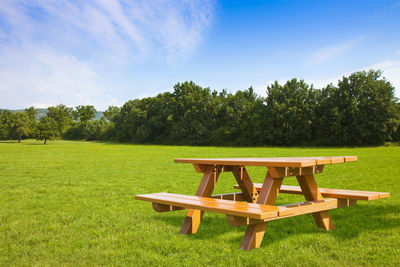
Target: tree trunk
19,138
45,140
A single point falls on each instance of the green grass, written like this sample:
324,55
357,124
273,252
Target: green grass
72,203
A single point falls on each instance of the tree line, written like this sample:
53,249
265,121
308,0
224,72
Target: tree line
360,110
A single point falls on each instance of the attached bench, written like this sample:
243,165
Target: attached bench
243,209
327,192
240,213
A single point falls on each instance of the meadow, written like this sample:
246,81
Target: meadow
72,203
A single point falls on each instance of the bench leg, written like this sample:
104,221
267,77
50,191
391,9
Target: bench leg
192,221
311,192
268,194
206,187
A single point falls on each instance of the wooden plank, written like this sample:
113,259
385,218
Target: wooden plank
295,209
271,162
310,190
308,207
165,208
230,196
244,209
336,193
295,171
203,168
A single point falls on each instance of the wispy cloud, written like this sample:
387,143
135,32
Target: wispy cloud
167,29
327,53
63,47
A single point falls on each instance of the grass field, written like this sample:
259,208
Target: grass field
72,203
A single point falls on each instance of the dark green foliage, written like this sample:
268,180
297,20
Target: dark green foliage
290,113
87,130
191,115
191,112
84,113
360,110
5,124
111,112
47,129
396,134
145,120
17,125
62,116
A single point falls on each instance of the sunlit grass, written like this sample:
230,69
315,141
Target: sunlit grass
72,203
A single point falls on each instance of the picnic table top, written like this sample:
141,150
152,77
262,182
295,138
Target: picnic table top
272,162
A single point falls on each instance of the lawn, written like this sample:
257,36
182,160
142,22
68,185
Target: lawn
72,203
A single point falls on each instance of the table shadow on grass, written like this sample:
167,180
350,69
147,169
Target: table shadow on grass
349,224
210,226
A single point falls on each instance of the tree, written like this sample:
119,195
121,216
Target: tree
6,118
21,125
32,114
107,123
361,110
84,113
193,109
47,129
290,112
62,115
111,112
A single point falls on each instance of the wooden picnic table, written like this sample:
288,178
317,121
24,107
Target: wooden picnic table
254,206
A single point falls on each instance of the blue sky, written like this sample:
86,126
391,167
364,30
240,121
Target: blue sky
106,52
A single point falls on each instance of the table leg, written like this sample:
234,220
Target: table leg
311,192
268,194
250,193
206,187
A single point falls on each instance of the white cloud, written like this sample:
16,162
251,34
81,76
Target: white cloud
327,53
398,52
55,52
42,77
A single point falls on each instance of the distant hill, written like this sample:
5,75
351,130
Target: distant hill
43,111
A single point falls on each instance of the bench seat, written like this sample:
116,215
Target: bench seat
236,208
335,193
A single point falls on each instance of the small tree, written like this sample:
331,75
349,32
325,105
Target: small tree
47,129
21,125
62,115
